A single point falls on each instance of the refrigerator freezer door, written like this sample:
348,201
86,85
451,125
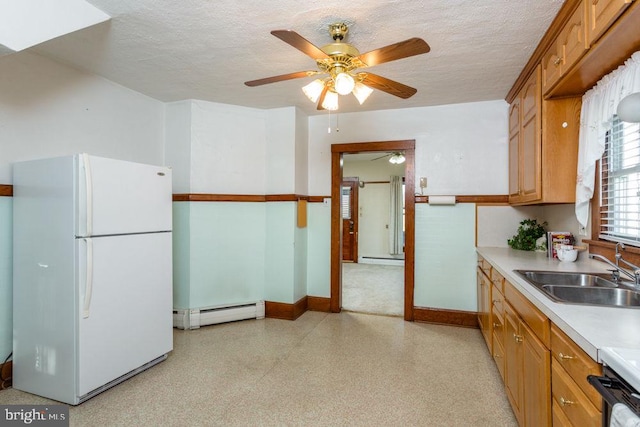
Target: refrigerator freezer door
120,197
128,320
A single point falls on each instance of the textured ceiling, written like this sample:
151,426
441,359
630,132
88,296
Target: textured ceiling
206,49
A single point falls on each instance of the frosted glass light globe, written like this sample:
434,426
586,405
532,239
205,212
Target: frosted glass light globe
344,84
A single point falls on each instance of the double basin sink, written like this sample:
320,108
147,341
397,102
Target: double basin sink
583,288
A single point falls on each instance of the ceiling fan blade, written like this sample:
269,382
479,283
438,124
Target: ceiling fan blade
387,85
300,43
322,95
382,157
404,49
280,78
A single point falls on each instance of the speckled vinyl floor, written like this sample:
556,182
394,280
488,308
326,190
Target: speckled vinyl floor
323,369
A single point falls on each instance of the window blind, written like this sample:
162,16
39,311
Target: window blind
346,203
620,184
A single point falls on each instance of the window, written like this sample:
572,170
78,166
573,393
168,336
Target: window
620,184
346,202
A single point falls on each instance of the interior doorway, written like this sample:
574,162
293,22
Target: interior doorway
349,213
337,227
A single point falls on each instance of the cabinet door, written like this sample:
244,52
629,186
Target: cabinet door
530,140
514,151
602,13
536,380
513,361
484,307
551,67
572,41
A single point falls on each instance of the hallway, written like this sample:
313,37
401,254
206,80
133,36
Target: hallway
373,289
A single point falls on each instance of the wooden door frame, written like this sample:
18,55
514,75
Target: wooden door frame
354,212
337,152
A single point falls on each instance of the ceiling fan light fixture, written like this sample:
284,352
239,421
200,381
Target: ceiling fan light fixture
313,90
330,101
629,108
397,158
344,83
361,92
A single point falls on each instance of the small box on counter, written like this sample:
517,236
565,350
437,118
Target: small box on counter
556,238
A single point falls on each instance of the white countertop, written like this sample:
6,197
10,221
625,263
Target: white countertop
592,327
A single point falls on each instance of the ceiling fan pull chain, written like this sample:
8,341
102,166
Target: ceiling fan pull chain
337,122
329,128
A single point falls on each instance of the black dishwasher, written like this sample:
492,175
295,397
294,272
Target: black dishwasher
614,389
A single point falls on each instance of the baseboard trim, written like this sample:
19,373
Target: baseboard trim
281,310
319,304
441,316
6,372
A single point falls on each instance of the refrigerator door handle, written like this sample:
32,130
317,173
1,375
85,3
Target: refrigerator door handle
89,281
88,181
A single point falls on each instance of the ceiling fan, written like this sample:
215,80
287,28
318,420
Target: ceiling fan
339,62
396,157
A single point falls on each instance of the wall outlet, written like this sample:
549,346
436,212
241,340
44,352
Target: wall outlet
423,182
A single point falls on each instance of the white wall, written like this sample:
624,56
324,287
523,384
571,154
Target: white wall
227,149
48,110
461,149
177,128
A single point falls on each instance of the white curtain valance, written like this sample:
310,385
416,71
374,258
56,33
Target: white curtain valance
599,105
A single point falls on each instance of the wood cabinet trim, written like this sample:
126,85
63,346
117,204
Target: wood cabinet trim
6,190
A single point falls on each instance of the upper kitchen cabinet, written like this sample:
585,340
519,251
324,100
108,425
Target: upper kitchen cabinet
602,13
570,45
543,146
575,55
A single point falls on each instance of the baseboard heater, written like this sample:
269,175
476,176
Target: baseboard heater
195,318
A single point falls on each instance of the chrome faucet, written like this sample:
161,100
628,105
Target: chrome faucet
635,275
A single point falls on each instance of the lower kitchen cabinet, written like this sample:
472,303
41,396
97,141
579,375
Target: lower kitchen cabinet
527,372
543,370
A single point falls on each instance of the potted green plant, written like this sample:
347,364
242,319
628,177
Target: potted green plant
529,232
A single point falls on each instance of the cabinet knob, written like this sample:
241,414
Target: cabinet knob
517,338
565,357
497,356
557,61
566,402
496,325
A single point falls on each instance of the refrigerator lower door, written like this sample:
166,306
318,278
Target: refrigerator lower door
124,306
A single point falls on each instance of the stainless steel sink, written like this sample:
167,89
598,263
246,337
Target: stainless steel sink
599,296
567,278
583,288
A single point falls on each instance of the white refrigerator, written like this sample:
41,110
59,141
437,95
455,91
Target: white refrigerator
92,274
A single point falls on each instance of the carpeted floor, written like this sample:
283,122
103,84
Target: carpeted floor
323,369
372,288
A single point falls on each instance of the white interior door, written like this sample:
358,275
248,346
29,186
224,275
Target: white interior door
129,320
119,197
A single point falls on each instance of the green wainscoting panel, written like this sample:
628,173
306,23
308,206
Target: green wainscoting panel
280,252
445,275
319,250
6,277
181,254
227,253
300,263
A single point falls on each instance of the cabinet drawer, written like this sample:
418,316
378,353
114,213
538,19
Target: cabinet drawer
497,279
571,400
497,300
558,417
534,318
498,352
576,363
484,265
